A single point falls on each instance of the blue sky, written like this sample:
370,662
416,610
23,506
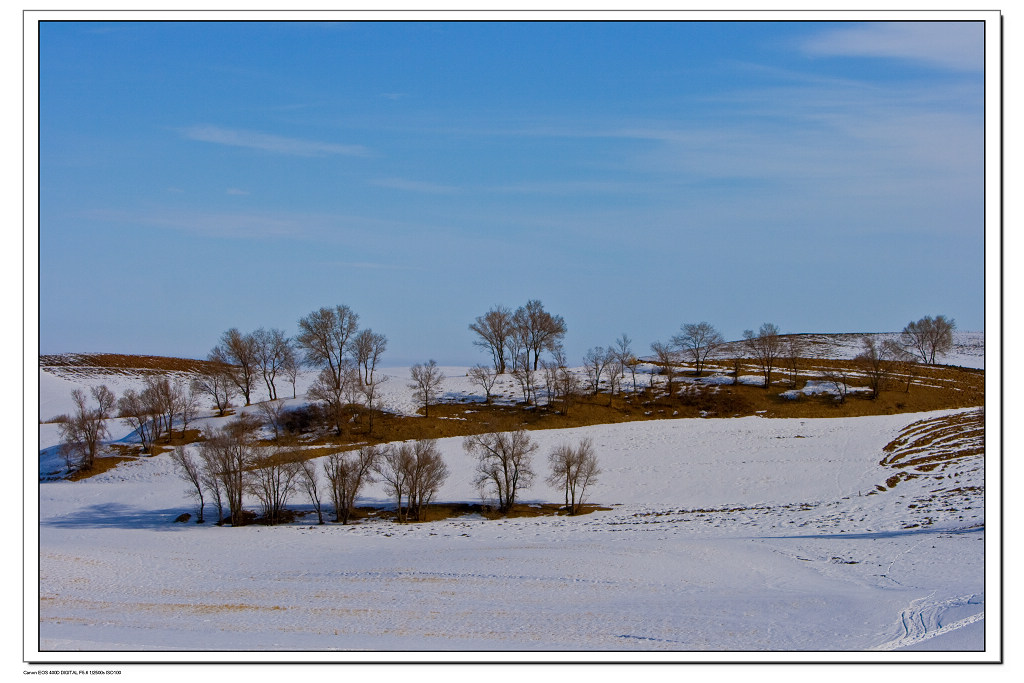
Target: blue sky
824,176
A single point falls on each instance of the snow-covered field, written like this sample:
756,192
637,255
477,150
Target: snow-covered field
745,538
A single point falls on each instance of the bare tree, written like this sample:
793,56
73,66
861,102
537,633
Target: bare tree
334,389
189,405
427,472
595,362
230,453
324,336
309,480
626,358
237,352
83,431
563,385
106,401
766,347
137,412
616,373
929,337
699,341
666,359
166,400
574,469
426,384
485,378
526,377
517,342
737,367
291,365
876,362
540,330
272,480
394,467
493,329
504,464
904,362
271,349
347,472
191,470
366,348
839,378
274,414
208,474
371,396
214,380
793,349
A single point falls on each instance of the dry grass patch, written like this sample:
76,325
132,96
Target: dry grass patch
122,362
936,446
100,465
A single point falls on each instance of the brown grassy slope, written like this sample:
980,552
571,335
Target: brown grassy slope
116,363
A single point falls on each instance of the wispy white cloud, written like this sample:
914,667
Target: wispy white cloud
949,45
414,185
270,143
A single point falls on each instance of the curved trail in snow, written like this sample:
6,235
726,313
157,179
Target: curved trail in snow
922,620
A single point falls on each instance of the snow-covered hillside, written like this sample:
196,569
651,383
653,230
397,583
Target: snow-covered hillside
744,535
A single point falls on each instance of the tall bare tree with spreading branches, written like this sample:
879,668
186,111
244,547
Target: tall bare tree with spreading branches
700,341
493,329
766,346
929,337
324,336
504,464
427,381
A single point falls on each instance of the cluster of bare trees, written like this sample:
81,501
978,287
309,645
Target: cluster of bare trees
518,338
505,467
413,473
347,358
609,365
328,339
697,341
153,411
225,468
241,360
84,430
231,463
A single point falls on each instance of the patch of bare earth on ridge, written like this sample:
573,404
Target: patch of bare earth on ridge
949,452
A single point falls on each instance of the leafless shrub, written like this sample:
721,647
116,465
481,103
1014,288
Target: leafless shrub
347,472
427,379
574,469
83,431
